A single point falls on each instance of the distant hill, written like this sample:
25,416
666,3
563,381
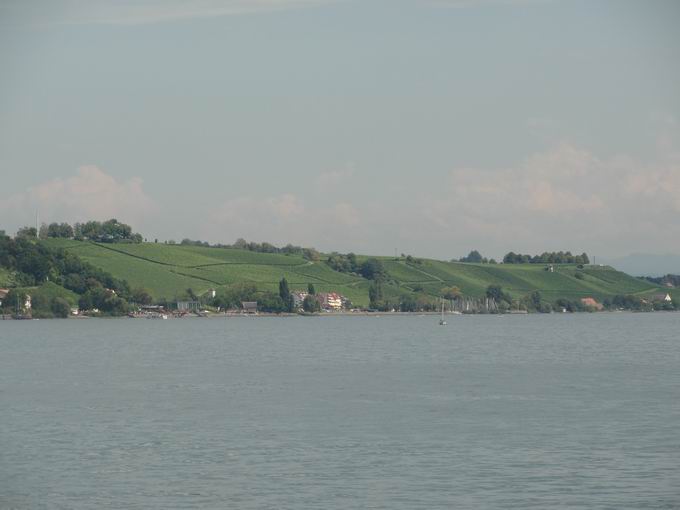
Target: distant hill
168,270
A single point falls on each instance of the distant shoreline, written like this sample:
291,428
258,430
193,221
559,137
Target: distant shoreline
331,314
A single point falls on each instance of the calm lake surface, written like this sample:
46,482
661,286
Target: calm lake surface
541,411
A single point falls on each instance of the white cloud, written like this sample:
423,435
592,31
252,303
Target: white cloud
284,219
129,12
565,198
90,194
345,214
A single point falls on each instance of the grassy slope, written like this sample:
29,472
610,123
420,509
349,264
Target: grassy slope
517,279
167,270
51,290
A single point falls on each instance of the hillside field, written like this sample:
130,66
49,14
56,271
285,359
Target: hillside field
168,270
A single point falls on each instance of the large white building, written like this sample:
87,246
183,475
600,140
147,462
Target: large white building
330,300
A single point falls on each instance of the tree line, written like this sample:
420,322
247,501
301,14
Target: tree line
264,247
669,280
559,257
109,231
476,257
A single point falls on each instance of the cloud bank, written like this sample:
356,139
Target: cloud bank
565,198
128,12
89,194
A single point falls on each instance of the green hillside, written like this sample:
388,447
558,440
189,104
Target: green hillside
518,279
49,291
168,270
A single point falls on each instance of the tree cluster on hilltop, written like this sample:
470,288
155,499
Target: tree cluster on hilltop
264,247
371,269
110,231
476,257
560,257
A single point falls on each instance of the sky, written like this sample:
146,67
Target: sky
429,127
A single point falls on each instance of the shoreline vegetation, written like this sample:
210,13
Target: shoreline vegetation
104,269
269,315
356,313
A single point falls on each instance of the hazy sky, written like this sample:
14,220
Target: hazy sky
427,126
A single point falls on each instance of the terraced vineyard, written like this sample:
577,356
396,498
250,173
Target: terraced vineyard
518,279
168,270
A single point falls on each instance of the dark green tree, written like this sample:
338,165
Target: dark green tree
473,256
311,304
285,295
272,303
27,232
496,293
375,294
310,289
85,301
372,269
60,307
14,300
535,300
142,296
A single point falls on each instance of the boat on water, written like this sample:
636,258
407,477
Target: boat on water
442,322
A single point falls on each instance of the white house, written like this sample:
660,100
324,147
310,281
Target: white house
331,300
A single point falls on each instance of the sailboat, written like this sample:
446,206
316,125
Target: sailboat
442,322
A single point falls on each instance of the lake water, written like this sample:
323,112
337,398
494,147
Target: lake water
540,411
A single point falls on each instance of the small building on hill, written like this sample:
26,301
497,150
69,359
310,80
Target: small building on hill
249,307
591,303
